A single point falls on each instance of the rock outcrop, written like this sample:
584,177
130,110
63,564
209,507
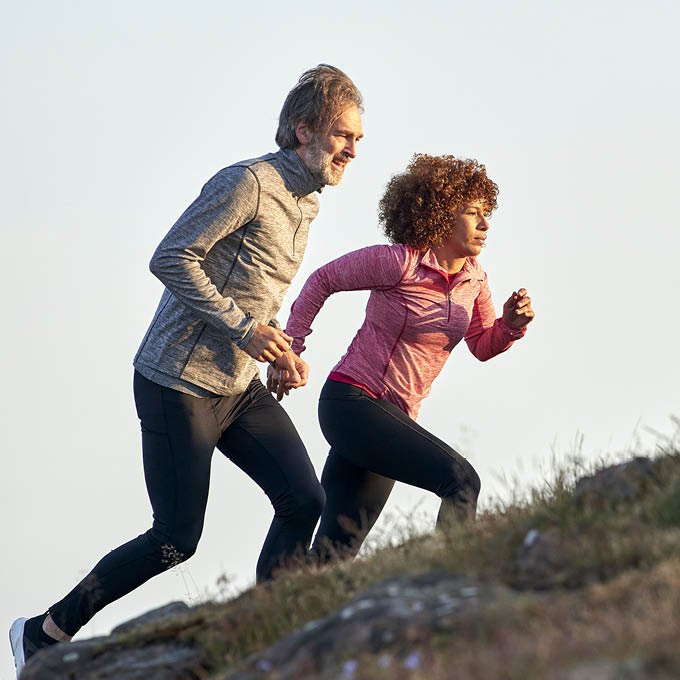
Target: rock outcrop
388,622
617,483
389,625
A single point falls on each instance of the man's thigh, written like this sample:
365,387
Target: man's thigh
264,443
179,433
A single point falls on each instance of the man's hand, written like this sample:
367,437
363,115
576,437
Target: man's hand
517,310
289,372
267,343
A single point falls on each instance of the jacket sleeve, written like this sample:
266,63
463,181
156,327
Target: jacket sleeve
228,201
371,268
488,336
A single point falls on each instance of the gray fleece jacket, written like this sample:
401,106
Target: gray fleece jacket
226,265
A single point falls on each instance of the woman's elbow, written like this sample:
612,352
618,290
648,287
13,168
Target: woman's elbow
480,352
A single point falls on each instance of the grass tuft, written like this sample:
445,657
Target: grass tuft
601,581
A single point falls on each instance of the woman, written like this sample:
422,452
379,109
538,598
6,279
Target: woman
428,291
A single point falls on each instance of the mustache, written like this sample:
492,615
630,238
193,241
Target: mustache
342,157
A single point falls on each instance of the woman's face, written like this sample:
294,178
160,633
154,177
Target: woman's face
468,231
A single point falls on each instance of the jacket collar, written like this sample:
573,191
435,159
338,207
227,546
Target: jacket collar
471,269
296,174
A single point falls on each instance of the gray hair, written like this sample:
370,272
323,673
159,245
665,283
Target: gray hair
318,99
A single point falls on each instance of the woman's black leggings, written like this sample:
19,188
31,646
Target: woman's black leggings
179,435
373,443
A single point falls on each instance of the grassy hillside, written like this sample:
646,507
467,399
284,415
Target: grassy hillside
594,578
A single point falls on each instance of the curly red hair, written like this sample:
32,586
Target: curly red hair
419,204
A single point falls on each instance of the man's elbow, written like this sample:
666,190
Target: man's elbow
159,264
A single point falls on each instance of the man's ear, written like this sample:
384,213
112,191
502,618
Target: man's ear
303,133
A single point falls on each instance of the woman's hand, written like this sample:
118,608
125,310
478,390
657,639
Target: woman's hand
288,372
517,310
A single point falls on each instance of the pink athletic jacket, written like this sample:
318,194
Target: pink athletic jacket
414,318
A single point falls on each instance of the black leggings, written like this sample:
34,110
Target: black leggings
179,434
373,443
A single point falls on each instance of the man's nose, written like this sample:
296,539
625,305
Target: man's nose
351,148
484,224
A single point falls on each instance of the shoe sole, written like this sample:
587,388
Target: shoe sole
16,640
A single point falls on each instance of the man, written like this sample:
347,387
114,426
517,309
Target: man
226,265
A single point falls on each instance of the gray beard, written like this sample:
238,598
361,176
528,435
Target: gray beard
319,164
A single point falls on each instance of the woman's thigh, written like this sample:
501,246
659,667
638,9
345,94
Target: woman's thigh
375,435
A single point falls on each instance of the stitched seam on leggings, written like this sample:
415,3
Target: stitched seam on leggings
174,460
119,565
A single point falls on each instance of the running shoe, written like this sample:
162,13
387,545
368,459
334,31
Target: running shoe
22,647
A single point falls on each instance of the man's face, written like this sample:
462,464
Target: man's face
327,154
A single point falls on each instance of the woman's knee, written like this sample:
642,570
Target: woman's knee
463,478
473,480
460,493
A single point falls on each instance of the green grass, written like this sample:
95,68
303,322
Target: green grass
613,591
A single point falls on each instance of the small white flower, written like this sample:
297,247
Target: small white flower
531,537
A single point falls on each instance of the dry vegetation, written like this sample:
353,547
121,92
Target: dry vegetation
610,595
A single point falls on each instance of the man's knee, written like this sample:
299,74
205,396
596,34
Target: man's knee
174,548
308,502
313,500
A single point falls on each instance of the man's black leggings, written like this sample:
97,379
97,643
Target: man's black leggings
179,434
373,443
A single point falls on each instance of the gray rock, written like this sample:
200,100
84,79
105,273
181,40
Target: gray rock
624,482
168,611
94,659
607,669
390,620
101,658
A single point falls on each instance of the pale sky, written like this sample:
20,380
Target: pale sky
116,114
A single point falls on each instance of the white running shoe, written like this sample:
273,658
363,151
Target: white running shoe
16,640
